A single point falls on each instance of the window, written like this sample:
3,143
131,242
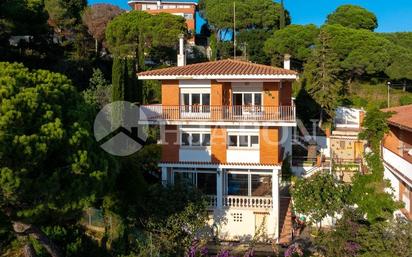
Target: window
204,181
185,139
195,138
206,140
238,184
237,217
196,102
243,141
261,185
342,144
247,99
188,16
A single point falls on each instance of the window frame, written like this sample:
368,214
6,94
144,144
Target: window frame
190,139
238,143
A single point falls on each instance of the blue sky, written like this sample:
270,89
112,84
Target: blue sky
395,15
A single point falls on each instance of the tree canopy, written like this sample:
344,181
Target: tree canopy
319,196
354,17
296,40
250,14
96,18
136,29
50,166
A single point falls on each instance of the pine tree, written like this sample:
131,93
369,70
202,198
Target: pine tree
323,70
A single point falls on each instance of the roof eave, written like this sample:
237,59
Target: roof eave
217,77
154,1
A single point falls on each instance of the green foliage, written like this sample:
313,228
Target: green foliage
405,100
64,13
368,192
401,65
174,225
296,40
99,92
250,14
251,42
125,86
375,127
74,242
51,167
319,196
354,17
322,73
23,17
359,51
134,32
354,236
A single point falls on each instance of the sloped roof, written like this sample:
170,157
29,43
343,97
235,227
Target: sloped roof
222,69
402,116
165,1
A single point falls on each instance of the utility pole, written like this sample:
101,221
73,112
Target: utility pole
389,86
234,29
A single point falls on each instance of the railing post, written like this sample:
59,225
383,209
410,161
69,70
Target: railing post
275,201
219,188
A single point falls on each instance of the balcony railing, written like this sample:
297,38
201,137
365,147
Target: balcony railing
217,113
401,164
242,202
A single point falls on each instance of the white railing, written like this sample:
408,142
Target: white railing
212,200
399,163
247,202
217,113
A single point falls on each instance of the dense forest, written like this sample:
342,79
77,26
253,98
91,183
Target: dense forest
61,61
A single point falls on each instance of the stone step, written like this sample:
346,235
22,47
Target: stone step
285,220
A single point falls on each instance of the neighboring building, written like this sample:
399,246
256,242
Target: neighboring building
226,126
345,145
346,149
184,8
397,156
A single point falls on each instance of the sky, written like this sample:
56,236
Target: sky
393,15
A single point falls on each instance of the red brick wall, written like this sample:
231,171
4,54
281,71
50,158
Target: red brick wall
218,144
271,94
170,148
269,145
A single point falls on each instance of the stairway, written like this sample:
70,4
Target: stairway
285,220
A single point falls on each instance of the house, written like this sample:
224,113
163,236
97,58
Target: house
346,149
397,156
226,127
184,8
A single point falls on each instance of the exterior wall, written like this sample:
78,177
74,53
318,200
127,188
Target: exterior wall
219,144
286,93
246,155
170,92
231,227
269,145
349,151
394,188
271,94
391,140
170,147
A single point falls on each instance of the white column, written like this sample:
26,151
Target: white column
219,188
275,200
164,176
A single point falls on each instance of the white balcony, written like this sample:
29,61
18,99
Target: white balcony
218,115
403,166
242,202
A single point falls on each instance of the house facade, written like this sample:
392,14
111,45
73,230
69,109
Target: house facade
226,127
186,9
397,156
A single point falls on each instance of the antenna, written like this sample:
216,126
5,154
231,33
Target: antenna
234,29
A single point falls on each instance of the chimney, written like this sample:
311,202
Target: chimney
286,62
181,57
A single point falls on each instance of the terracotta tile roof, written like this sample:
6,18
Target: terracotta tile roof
217,164
226,67
402,116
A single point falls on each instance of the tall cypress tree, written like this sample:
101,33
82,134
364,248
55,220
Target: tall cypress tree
118,80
